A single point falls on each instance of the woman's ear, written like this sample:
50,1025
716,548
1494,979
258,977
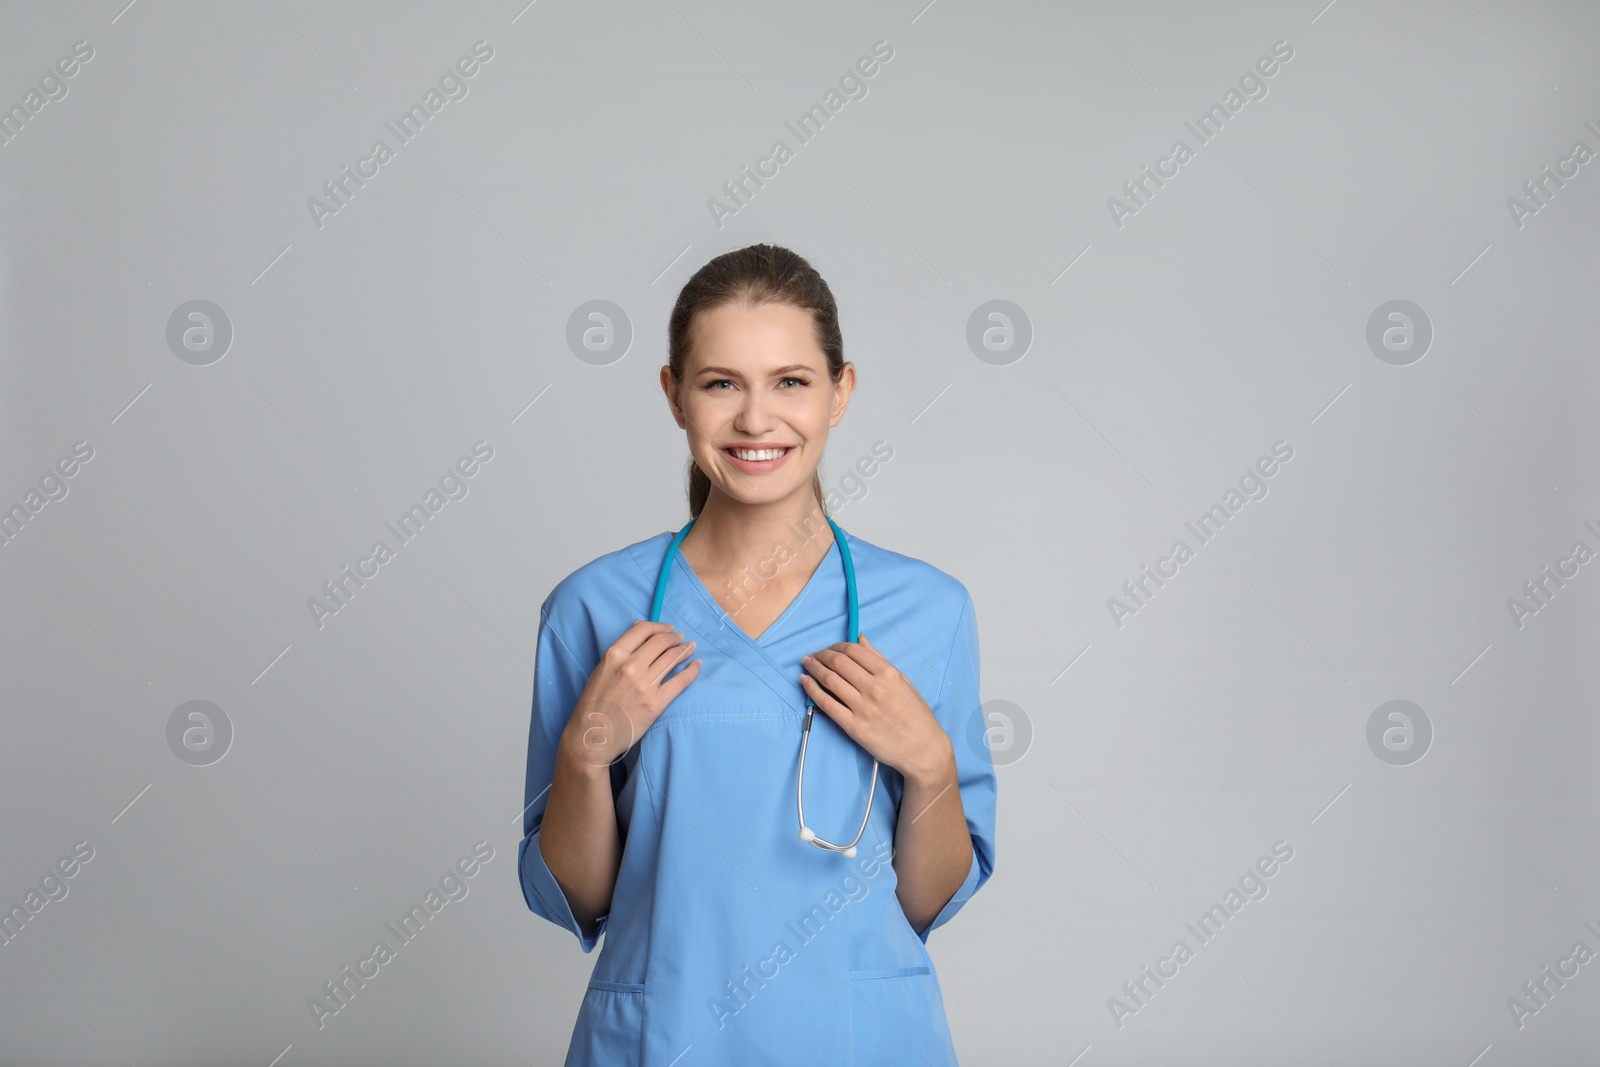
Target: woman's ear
841,393
670,387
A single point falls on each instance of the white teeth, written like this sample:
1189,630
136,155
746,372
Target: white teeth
751,456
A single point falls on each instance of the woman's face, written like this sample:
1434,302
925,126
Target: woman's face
756,380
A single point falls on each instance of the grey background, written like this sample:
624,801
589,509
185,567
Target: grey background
1167,755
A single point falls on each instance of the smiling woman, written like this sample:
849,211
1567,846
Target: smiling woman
745,391
691,815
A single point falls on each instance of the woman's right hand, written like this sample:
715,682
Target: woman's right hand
625,695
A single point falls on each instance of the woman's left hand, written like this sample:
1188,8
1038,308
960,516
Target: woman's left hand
877,707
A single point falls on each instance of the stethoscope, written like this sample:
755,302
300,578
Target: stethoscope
854,618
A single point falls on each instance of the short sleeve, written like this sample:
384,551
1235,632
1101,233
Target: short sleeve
959,710
559,678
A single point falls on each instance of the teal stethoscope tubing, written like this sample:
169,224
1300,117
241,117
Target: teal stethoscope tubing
854,630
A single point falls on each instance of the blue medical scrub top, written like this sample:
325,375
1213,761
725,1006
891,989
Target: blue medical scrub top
730,940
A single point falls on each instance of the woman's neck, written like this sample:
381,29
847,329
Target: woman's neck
730,535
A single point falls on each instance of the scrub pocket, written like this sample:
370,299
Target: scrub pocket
897,1016
610,1027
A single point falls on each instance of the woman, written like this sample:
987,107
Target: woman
661,803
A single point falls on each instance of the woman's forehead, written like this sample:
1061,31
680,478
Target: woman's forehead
755,340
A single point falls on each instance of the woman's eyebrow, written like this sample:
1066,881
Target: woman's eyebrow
735,374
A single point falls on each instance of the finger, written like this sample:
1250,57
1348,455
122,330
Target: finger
663,664
658,650
846,666
837,683
868,657
824,700
867,654
640,632
679,682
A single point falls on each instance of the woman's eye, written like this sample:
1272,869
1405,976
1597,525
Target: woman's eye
715,383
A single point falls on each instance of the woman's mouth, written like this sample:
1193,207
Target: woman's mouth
758,460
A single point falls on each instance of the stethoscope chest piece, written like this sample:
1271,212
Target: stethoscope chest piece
807,834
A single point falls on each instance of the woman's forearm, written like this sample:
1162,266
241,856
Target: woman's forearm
578,837
932,846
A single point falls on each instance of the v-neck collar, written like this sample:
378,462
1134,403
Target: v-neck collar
830,558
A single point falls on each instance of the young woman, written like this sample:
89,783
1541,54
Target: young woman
663,804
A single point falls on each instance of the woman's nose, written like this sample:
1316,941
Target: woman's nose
753,415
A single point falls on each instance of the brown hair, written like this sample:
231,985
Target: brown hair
754,275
